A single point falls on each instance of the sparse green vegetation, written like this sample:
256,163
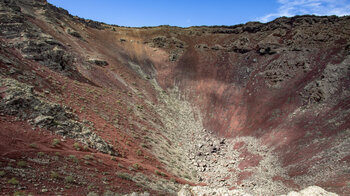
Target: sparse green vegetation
82,109
73,158
85,147
160,173
18,193
139,152
55,158
54,175
136,166
13,181
124,176
55,142
143,145
40,154
131,168
21,164
2,173
121,165
69,179
90,187
76,146
113,158
88,157
33,145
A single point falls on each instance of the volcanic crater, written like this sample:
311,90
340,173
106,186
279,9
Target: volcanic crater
88,108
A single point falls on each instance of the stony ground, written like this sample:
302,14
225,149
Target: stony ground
221,165
204,191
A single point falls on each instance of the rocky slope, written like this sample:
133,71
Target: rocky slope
89,108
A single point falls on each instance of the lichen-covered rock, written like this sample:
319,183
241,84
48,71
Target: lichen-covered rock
22,101
165,42
175,45
241,45
325,86
33,43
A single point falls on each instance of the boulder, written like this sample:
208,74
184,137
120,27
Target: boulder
98,62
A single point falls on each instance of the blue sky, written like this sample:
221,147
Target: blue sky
184,13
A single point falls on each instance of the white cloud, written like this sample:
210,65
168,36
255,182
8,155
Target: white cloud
316,7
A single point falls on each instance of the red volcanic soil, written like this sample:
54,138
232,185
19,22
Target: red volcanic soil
22,143
44,167
249,160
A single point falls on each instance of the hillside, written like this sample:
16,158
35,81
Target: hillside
89,108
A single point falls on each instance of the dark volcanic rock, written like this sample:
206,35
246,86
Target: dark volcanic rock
23,102
73,33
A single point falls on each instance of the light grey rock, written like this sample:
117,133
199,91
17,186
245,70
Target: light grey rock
98,62
205,190
202,191
138,194
311,191
43,119
92,194
185,191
